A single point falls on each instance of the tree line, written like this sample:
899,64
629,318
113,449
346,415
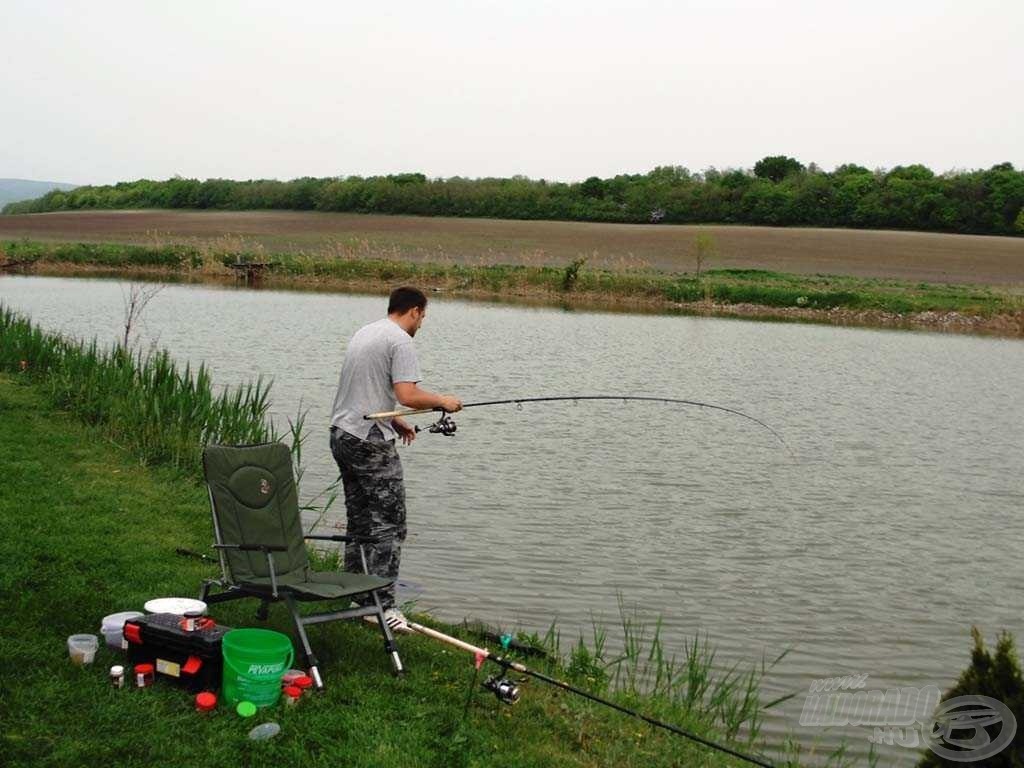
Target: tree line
778,191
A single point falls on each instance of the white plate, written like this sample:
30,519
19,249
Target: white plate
178,605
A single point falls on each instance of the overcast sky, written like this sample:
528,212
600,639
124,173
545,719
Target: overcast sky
106,91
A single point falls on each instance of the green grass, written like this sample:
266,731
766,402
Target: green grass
778,289
104,254
722,286
87,530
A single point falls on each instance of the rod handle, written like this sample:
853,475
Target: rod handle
395,414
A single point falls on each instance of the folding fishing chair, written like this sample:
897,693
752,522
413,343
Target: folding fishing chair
257,532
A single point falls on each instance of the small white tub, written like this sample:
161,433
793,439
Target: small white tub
112,628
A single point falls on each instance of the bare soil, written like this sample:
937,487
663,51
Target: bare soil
913,256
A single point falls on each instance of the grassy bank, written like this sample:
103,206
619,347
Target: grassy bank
715,291
87,531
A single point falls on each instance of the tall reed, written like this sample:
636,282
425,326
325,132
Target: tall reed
720,702
143,401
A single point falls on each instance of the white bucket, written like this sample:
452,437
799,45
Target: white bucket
112,627
82,648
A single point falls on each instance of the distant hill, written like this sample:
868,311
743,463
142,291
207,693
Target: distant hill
13,190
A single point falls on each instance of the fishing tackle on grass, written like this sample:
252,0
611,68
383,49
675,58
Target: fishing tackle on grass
507,691
446,425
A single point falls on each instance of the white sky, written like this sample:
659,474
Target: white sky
103,91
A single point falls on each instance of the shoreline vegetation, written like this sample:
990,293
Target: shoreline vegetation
778,191
98,494
751,293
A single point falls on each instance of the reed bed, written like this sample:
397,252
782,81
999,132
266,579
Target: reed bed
145,403
113,255
716,700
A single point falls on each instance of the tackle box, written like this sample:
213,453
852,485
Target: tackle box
190,659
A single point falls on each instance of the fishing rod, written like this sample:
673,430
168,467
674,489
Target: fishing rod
507,692
195,555
446,425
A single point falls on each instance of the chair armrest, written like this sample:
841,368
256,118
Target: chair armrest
266,549
253,547
346,538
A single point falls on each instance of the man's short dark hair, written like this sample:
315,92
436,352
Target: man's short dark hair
405,298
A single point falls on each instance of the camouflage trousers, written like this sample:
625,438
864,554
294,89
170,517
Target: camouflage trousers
371,473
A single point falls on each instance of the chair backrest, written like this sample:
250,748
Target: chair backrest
253,500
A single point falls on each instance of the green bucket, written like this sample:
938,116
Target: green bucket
254,662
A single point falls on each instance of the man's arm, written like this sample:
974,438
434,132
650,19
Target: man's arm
410,395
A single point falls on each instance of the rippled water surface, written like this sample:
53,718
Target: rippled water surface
894,524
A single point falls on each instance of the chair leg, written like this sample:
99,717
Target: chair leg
389,638
311,661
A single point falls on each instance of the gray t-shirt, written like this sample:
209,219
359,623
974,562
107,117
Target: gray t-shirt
378,355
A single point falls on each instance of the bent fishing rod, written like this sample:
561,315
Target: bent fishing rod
507,691
446,425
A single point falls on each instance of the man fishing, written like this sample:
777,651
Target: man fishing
380,367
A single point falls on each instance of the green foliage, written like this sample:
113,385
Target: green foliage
915,172
592,188
779,192
704,249
777,167
571,275
998,676
587,667
112,255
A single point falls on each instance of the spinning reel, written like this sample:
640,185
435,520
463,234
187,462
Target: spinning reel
505,690
443,426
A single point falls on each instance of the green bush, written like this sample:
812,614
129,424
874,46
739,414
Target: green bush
571,274
997,675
